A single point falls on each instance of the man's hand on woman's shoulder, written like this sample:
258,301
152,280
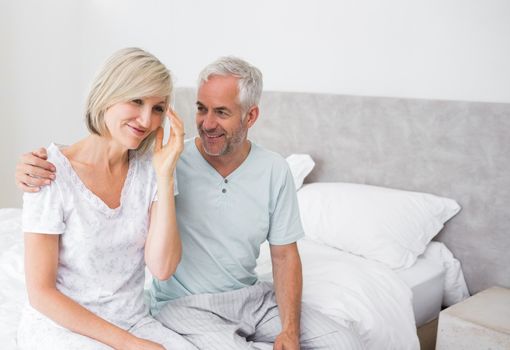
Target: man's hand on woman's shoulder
33,171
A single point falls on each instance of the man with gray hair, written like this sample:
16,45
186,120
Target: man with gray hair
233,196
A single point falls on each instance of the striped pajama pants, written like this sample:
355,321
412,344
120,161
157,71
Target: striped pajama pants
248,318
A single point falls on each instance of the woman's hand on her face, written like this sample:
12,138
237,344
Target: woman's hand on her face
165,156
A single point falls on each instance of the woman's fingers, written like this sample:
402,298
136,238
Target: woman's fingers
175,120
166,156
176,129
158,143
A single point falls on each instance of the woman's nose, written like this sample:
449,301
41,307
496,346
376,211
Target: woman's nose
145,117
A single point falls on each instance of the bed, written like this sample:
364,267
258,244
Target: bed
384,305
453,149
368,258
414,147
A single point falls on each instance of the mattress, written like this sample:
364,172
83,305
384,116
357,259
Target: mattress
426,280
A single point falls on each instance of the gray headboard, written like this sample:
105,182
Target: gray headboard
459,150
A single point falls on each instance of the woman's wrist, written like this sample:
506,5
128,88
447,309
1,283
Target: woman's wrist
165,180
165,184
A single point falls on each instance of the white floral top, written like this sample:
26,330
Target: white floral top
101,262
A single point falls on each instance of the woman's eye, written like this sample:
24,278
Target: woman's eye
137,101
159,109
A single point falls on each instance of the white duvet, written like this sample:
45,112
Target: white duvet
12,280
362,294
357,292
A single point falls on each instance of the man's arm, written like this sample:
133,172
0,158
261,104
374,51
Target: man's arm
33,171
288,284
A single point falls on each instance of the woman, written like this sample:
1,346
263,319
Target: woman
90,233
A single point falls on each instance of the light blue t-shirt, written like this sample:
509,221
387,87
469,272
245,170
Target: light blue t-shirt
223,222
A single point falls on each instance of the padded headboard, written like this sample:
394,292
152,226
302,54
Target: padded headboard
459,150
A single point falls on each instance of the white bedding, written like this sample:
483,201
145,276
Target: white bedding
436,280
363,294
382,304
12,292
357,292
426,280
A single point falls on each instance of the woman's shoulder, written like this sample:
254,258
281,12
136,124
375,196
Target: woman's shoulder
51,194
57,158
142,164
142,159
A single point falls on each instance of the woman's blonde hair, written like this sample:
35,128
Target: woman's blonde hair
128,74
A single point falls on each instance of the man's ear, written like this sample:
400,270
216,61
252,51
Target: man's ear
252,116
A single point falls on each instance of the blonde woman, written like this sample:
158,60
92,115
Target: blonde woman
89,235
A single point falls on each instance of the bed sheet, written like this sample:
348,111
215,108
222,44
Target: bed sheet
436,279
12,293
362,294
455,288
426,280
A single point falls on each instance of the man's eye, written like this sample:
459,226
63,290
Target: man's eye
200,109
221,113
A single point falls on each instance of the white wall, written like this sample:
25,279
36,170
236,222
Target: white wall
437,49
40,92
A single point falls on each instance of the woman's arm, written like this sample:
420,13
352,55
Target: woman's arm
41,262
163,246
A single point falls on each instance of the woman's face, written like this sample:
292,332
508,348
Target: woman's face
130,122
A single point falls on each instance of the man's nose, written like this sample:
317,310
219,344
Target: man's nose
210,121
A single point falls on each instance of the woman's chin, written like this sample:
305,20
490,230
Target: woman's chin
131,144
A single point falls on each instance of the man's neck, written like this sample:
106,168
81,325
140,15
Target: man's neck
225,164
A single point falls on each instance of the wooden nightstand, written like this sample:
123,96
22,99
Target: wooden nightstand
479,322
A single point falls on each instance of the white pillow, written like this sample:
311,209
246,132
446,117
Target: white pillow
300,166
383,224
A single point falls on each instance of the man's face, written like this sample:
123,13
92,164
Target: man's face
219,116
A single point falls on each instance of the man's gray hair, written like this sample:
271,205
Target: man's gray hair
250,79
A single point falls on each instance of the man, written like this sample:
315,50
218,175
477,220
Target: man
233,195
